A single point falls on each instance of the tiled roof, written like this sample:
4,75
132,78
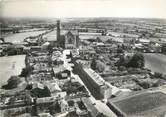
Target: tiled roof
96,77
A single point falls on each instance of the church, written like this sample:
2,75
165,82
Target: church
68,39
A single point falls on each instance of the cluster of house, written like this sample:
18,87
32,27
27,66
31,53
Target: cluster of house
50,89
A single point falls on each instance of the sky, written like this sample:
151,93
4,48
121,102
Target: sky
83,8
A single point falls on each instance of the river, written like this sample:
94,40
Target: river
19,37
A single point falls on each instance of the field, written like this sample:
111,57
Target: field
155,62
19,37
143,103
11,65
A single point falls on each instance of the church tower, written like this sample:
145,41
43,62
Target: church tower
58,31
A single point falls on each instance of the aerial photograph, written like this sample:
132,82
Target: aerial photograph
82,58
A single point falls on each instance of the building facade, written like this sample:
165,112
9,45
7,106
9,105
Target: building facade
68,39
95,84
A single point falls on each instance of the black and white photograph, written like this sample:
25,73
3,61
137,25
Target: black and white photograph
82,58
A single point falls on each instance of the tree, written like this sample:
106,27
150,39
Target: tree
24,72
50,48
71,103
163,48
12,82
137,61
37,92
93,64
100,67
98,39
119,50
158,75
123,61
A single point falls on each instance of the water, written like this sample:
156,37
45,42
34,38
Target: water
19,37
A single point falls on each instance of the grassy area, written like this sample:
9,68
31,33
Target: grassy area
155,62
142,103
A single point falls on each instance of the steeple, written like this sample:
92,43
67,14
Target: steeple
58,31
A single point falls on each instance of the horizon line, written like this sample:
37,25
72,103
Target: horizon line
86,17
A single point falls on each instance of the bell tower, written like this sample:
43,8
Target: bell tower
58,31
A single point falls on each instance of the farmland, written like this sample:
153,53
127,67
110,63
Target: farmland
142,103
10,65
155,62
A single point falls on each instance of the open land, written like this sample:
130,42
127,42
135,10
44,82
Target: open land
142,103
11,65
155,62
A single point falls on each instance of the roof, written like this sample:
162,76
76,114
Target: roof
46,44
96,77
45,100
144,40
53,87
58,69
74,32
115,90
64,102
38,85
25,115
84,63
44,115
90,107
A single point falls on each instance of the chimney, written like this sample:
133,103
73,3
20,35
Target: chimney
58,31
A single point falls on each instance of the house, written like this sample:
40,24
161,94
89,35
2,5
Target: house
61,72
44,115
144,41
64,105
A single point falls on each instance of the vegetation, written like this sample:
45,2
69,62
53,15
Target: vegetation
100,67
93,64
71,103
12,82
163,48
158,75
54,108
40,92
10,50
97,65
120,50
136,61
26,71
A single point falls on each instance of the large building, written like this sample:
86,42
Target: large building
94,82
68,39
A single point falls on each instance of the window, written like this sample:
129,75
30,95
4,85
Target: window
70,40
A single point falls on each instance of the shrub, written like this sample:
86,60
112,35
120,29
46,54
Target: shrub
12,82
163,48
137,61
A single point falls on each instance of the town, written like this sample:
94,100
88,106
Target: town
92,67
